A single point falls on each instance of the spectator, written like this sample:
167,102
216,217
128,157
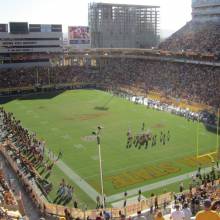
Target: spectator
177,214
140,216
207,213
187,212
159,216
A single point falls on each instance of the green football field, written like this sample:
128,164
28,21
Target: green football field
66,122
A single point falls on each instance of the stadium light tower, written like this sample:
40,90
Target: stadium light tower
100,164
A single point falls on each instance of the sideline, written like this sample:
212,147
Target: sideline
155,185
81,183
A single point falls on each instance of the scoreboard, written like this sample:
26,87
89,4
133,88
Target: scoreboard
24,28
18,27
3,27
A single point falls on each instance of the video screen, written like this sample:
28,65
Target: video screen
78,32
18,27
3,28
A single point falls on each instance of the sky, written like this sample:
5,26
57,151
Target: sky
174,13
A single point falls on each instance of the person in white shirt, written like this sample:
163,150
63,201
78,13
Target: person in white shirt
177,214
187,212
139,216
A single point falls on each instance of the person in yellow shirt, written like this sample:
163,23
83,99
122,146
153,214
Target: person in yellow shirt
207,213
159,216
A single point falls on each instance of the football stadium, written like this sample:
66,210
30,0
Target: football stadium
111,125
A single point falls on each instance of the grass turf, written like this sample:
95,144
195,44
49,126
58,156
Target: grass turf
63,120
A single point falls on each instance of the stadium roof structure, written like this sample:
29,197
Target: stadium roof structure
125,5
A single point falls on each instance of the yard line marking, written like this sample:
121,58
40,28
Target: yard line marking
54,129
136,165
44,122
29,112
78,146
95,157
66,137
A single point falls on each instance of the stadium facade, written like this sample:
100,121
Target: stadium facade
206,10
29,45
123,26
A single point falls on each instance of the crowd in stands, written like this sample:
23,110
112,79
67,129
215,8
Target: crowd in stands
198,83
38,76
203,193
9,208
181,81
205,187
33,163
6,195
196,37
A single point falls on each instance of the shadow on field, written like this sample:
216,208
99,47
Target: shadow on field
104,107
45,95
101,108
39,95
212,126
4,100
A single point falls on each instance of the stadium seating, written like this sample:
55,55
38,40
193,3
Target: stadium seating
184,81
198,83
196,37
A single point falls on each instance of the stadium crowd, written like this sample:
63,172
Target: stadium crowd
196,37
29,153
6,195
181,81
201,199
39,76
206,194
198,83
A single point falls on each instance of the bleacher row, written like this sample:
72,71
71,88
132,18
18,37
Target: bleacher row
195,83
195,36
